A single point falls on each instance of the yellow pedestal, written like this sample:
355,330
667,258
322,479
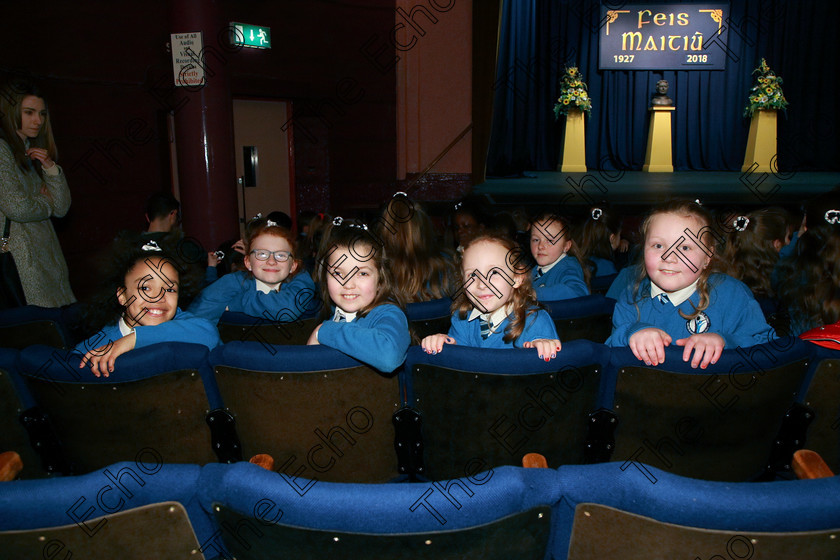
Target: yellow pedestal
574,144
658,157
761,144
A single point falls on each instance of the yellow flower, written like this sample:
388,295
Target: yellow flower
768,90
565,102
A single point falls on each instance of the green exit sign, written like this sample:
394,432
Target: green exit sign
252,36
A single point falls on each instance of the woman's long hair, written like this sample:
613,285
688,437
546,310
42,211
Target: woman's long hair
11,100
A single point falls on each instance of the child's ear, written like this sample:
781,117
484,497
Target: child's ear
247,261
517,280
294,267
121,295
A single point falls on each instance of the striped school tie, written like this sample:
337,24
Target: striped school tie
485,327
341,319
663,299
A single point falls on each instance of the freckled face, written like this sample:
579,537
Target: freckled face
151,292
672,259
549,240
488,279
351,283
270,271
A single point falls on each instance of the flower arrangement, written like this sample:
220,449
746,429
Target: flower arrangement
572,94
767,91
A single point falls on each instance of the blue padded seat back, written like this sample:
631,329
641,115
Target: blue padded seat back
156,397
24,326
801,505
312,407
491,406
717,424
384,509
81,501
588,317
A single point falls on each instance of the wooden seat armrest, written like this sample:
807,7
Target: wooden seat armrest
10,466
809,464
534,461
263,460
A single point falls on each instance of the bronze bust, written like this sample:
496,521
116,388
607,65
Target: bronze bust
661,98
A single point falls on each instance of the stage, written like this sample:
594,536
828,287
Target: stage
638,189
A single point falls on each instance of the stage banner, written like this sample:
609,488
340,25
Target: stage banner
664,37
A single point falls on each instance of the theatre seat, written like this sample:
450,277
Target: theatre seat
156,398
588,317
131,511
641,512
429,317
235,327
24,326
15,401
821,394
312,408
715,424
500,514
488,407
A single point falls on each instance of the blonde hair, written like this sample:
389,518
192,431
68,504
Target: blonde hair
523,297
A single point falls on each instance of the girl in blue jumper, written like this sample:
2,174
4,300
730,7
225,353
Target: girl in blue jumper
677,299
496,307
354,273
275,286
558,274
145,311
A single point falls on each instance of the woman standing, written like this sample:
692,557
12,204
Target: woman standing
32,188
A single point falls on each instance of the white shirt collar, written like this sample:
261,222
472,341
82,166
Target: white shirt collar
678,297
265,288
125,330
348,317
548,267
494,319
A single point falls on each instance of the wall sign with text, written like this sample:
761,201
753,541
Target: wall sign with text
664,37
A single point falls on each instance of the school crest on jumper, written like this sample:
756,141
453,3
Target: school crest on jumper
699,324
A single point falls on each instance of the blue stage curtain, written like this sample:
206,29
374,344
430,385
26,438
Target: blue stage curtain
539,38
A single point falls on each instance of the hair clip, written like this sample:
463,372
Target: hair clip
360,225
151,246
697,201
597,213
832,216
270,223
458,205
257,217
398,193
321,216
337,221
741,223
219,255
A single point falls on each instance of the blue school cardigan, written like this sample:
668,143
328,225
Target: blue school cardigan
238,292
379,339
184,327
563,281
732,313
468,333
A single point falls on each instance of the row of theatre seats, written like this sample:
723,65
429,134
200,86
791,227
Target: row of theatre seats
453,424
146,509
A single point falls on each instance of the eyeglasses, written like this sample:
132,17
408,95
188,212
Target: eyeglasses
279,256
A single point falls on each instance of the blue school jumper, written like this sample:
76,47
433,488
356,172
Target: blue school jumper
467,332
184,327
732,313
238,292
624,281
603,267
379,339
563,281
